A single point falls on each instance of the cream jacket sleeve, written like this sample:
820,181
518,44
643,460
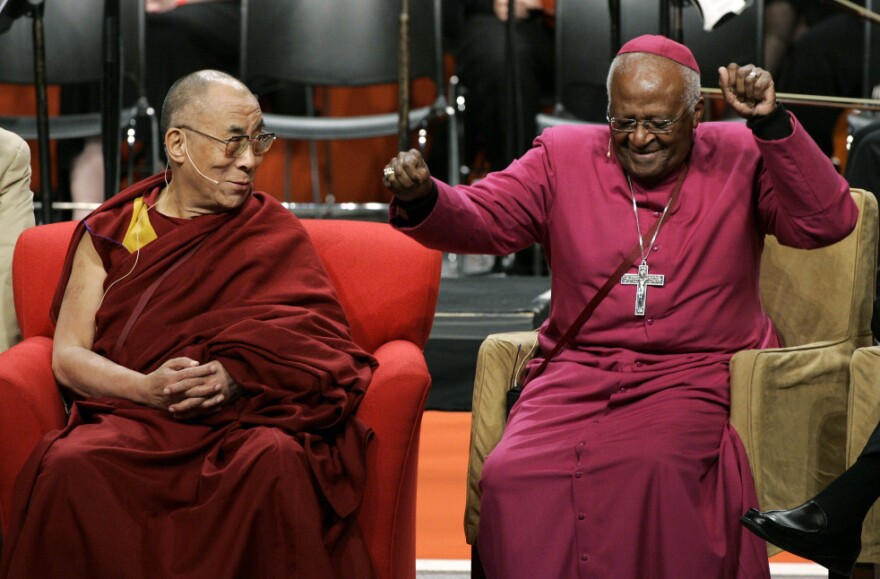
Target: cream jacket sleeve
16,213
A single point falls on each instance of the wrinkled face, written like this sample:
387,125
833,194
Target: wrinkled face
225,111
652,88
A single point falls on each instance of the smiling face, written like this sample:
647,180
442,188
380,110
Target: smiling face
643,87
225,109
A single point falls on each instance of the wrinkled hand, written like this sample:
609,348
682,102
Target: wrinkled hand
186,388
407,176
748,90
521,8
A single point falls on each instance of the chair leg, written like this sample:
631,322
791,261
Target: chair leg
453,133
477,571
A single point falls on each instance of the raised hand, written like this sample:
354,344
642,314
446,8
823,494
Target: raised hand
748,90
407,175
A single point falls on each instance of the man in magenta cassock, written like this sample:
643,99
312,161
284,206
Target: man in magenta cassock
619,461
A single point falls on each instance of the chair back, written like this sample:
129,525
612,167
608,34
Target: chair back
338,43
826,293
584,51
73,32
582,58
343,43
73,51
378,272
36,268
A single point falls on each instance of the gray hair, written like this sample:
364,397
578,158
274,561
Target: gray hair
626,61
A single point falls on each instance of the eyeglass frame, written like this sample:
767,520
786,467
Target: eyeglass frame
243,141
665,129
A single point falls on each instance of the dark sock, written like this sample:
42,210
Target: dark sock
849,497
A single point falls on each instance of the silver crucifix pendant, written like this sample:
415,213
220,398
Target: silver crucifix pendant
642,280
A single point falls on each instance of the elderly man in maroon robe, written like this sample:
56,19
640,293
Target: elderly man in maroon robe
215,381
618,460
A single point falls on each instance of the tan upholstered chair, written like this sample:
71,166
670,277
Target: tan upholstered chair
789,405
863,415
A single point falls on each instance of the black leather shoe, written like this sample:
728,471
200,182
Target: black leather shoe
805,532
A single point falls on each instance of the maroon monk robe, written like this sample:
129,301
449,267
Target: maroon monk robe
268,486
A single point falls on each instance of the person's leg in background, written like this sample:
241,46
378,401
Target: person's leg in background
484,74
80,161
827,61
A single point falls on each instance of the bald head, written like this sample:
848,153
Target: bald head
186,97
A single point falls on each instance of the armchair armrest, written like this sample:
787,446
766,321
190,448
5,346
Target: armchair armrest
393,408
862,418
788,406
30,406
499,356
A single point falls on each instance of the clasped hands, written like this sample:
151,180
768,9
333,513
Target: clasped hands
186,388
747,89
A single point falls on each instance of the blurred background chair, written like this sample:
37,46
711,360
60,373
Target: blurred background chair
345,43
580,93
74,56
391,310
789,404
584,51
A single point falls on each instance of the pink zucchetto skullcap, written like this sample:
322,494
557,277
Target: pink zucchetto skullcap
662,46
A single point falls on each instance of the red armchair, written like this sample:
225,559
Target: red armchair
388,286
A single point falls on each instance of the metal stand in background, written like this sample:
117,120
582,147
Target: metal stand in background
867,86
614,13
34,9
672,19
111,97
143,108
36,13
517,132
403,101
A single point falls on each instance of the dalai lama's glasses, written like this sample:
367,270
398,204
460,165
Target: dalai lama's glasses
654,126
236,146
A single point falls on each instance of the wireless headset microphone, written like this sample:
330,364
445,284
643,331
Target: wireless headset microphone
186,150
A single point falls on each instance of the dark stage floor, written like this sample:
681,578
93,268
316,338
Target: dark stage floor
468,310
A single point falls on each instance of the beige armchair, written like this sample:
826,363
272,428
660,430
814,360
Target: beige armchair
789,404
862,417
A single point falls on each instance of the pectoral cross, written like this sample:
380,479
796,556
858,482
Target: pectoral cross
642,280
